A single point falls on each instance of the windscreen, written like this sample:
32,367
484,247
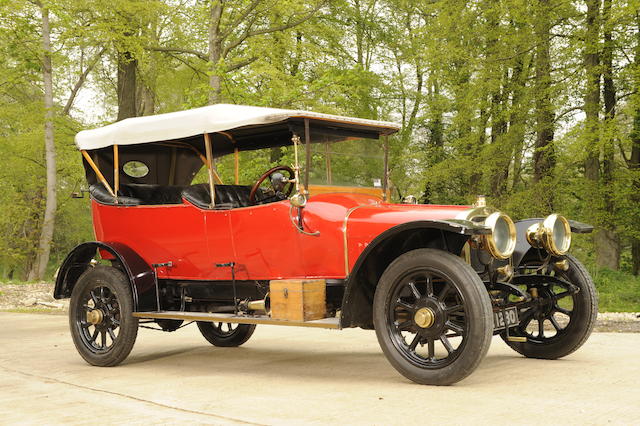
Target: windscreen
354,162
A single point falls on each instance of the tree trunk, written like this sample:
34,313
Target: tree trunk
44,247
544,154
127,85
634,162
635,256
592,93
476,175
148,76
215,52
146,100
500,172
436,126
517,118
607,240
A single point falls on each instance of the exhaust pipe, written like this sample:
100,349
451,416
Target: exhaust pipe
262,306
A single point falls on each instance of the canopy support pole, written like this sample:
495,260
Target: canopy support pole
207,145
385,182
307,145
116,171
99,174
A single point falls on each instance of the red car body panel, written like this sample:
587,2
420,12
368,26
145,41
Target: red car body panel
262,240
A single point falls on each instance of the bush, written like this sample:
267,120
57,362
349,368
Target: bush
618,291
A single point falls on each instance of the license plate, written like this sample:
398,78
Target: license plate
505,318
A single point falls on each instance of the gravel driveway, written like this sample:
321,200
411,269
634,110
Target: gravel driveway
290,375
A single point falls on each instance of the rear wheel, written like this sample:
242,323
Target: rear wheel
558,322
102,327
432,316
226,334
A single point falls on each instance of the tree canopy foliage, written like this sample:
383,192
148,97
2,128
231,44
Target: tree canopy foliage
534,103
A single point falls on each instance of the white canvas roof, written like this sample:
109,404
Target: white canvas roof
209,119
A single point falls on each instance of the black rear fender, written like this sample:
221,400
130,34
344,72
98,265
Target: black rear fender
140,274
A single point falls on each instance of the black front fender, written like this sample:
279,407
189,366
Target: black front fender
141,275
446,235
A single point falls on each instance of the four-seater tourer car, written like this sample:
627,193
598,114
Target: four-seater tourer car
314,241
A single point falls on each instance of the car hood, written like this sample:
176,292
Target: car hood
358,208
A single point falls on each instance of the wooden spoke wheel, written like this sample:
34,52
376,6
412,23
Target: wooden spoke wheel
100,320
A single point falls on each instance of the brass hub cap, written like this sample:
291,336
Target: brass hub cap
95,316
424,317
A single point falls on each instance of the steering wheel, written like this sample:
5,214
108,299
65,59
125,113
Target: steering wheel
284,193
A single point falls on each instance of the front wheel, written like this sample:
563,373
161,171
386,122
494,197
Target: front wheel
433,317
559,321
102,327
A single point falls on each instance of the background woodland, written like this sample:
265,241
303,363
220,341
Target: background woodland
534,103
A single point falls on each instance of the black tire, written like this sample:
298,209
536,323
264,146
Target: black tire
234,335
569,336
107,290
460,309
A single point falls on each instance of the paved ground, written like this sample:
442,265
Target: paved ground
295,375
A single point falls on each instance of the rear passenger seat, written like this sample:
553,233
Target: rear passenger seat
138,194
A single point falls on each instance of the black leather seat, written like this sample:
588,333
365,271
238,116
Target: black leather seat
99,193
227,196
137,194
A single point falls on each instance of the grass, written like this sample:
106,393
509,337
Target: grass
617,291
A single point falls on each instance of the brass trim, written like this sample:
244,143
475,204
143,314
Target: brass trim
424,317
344,237
533,235
518,339
481,201
385,182
506,272
562,265
95,316
466,253
116,171
330,323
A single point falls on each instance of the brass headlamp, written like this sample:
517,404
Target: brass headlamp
501,242
552,234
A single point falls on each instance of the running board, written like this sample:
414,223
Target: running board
333,323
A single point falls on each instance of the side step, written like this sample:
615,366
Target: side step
333,323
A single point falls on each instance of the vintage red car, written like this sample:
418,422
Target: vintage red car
434,281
